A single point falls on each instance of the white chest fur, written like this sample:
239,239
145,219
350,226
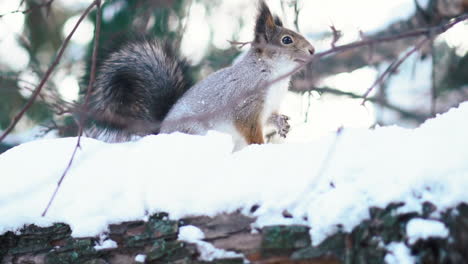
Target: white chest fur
274,96
277,91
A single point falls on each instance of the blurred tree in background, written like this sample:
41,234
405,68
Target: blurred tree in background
46,23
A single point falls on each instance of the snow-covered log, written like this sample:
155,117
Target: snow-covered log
376,189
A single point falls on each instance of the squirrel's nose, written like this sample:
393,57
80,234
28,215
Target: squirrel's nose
311,50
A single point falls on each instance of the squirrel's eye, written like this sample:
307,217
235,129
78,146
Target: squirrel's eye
287,40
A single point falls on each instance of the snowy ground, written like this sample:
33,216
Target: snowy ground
332,181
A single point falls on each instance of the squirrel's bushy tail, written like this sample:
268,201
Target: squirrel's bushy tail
135,87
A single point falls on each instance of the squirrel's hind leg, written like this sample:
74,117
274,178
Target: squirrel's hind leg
251,130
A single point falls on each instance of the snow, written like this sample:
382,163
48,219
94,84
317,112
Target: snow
105,244
190,233
208,252
422,229
399,253
140,258
330,181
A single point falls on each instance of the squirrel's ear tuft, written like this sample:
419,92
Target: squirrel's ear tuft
278,21
265,24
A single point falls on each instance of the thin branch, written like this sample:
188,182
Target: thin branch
337,34
316,183
49,71
96,3
241,44
404,113
393,67
97,33
20,4
324,166
433,31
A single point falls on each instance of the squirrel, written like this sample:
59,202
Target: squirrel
143,88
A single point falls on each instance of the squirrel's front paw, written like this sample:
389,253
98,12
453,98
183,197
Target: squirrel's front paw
281,123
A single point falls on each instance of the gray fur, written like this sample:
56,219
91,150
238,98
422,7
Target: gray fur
223,95
227,95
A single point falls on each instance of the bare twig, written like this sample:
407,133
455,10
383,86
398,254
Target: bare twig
337,34
38,89
328,156
20,4
419,117
97,33
96,3
393,67
316,183
241,44
432,31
